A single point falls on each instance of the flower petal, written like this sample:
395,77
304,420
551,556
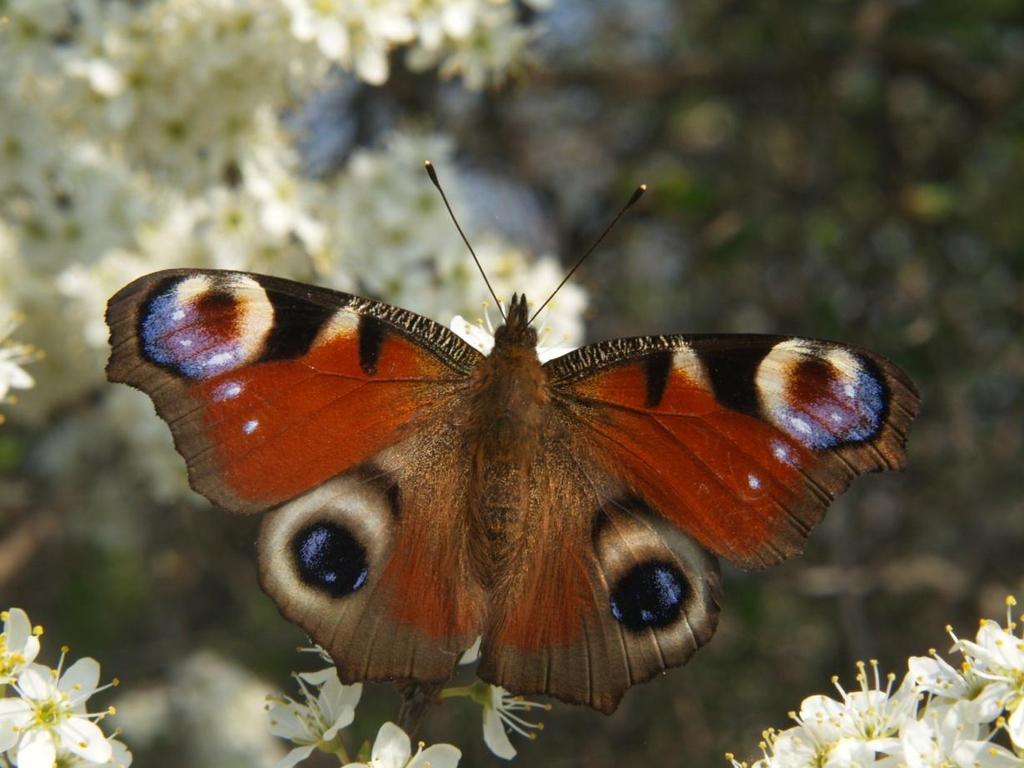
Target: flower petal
338,702
984,754
294,757
437,756
84,738
391,748
17,629
286,723
14,713
1015,725
80,680
122,757
319,677
935,675
36,682
36,750
472,653
495,737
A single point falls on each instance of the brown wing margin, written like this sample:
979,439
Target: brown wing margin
741,441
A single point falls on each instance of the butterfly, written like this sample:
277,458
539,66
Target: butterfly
417,494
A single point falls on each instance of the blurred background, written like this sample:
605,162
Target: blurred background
840,169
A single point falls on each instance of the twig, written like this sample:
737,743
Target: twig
417,699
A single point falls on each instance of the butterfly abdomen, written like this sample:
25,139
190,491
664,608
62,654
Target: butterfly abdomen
508,410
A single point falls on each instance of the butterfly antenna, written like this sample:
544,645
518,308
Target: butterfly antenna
637,194
433,177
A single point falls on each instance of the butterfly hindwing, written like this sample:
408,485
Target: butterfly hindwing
374,564
740,441
607,593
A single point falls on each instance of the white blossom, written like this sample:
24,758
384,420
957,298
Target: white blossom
997,657
327,707
19,645
501,711
49,716
482,43
392,749
478,39
938,717
943,738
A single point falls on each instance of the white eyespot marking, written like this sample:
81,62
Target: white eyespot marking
229,390
250,426
800,425
342,325
185,342
820,394
687,362
178,315
192,288
219,360
754,482
782,452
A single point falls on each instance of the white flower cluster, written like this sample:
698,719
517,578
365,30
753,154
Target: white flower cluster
143,135
938,717
46,723
478,39
328,706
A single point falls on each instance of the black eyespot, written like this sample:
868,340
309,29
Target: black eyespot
649,595
329,558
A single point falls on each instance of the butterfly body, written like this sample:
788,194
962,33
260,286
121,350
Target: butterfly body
418,494
508,415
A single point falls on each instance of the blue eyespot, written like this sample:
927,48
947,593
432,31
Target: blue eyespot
849,410
329,558
197,339
649,595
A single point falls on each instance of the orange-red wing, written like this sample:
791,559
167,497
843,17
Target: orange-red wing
740,441
272,387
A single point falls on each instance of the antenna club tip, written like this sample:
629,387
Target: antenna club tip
637,194
429,166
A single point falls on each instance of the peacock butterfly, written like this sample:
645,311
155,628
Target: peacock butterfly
419,494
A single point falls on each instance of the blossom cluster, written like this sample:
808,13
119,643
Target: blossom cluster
939,716
46,722
144,135
478,39
326,707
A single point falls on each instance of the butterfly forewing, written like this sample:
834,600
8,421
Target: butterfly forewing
740,441
272,387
